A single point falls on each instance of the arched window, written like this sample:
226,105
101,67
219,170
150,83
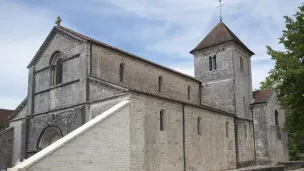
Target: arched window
241,64
160,83
277,123
58,71
162,119
210,63
49,136
214,62
189,92
199,125
227,129
121,72
276,115
56,68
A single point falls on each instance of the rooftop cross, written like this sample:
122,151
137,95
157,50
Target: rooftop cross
220,9
58,21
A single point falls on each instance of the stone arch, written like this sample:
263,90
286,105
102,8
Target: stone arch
55,57
56,68
49,136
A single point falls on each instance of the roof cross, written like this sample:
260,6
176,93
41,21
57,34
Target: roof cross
58,21
220,9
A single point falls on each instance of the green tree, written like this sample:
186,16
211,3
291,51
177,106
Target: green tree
287,77
267,84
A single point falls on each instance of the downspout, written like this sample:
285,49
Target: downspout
236,141
184,141
255,156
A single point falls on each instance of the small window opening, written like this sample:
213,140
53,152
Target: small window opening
276,114
244,103
162,119
214,62
189,91
121,72
160,83
246,131
227,126
59,71
241,64
210,63
199,126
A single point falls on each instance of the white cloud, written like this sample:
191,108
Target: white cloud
171,28
185,23
23,30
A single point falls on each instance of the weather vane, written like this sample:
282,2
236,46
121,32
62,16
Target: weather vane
220,9
58,21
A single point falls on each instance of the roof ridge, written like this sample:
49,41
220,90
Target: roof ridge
124,52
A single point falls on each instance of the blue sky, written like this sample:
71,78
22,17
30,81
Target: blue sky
163,31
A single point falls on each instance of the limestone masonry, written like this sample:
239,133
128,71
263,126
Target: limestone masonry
91,106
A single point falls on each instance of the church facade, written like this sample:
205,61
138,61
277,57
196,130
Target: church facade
173,122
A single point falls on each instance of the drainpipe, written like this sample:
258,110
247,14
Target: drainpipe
255,157
184,141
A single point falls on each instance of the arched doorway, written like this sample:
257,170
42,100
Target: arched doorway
48,137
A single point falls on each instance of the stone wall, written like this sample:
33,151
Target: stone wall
219,95
218,88
6,147
214,149
151,148
141,75
18,144
67,121
279,146
101,90
245,143
163,150
99,107
101,144
270,147
72,90
243,83
18,123
261,134
224,63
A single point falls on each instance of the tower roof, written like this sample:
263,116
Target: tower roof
218,35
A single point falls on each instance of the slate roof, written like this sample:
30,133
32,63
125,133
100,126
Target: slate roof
261,96
5,116
218,35
86,38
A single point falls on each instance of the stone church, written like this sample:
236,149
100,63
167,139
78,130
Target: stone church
92,106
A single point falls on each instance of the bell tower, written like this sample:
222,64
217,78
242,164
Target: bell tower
223,63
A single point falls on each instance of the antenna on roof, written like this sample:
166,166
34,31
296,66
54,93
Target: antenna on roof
221,10
58,21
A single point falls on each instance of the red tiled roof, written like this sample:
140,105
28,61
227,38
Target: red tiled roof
218,35
5,115
261,96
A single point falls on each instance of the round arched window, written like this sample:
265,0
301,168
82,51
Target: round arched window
48,137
